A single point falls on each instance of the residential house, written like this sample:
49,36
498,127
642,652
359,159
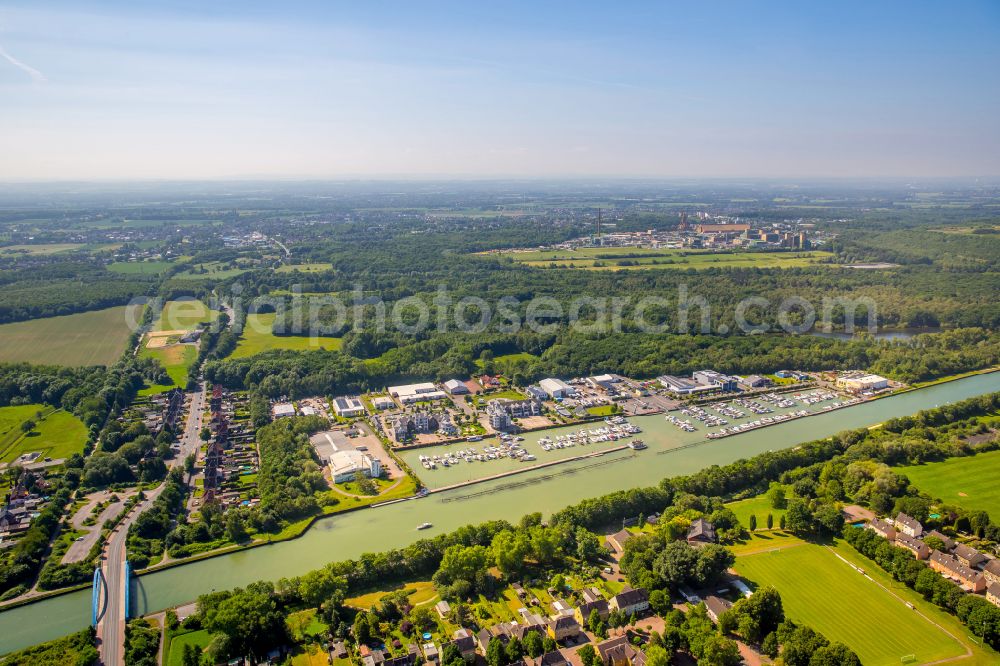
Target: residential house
991,570
408,659
701,531
618,651
883,528
618,540
715,607
443,608
968,556
630,601
907,525
563,628
993,593
592,601
915,546
431,652
554,658
537,392
947,542
465,643
371,657
950,567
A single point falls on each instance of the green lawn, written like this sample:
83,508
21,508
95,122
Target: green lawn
175,653
212,270
58,434
758,506
87,338
509,394
176,360
183,314
822,590
258,337
419,592
602,410
969,482
139,267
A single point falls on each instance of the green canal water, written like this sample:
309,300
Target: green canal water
671,452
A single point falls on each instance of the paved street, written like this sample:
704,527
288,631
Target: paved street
111,629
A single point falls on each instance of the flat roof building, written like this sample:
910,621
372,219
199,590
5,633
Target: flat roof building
346,407
862,383
411,393
345,464
556,388
283,409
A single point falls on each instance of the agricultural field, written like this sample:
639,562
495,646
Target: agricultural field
820,587
969,482
629,258
304,268
258,337
57,434
183,315
139,267
40,248
86,338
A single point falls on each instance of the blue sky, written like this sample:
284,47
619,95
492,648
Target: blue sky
385,89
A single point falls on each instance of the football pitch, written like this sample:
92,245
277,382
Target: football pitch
970,482
867,612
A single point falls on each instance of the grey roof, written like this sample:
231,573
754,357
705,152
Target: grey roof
701,529
971,555
909,521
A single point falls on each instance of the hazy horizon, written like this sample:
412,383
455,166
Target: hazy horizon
313,91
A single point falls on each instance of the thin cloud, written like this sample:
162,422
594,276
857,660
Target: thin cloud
35,75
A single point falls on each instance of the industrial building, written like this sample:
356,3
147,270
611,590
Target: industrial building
345,464
455,387
411,393
347,408
862,383
556,388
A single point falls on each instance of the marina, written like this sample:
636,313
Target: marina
671,452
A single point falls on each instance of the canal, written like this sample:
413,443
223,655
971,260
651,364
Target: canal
546,490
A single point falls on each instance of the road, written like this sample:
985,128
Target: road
79,549
111,628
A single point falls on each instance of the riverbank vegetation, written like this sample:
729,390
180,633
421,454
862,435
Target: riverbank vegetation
473,565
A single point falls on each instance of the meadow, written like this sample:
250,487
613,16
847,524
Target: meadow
304,268
86,338
57,434
213,270
821,589
258,337
183,314
629,258
40,248
139,267
969,482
